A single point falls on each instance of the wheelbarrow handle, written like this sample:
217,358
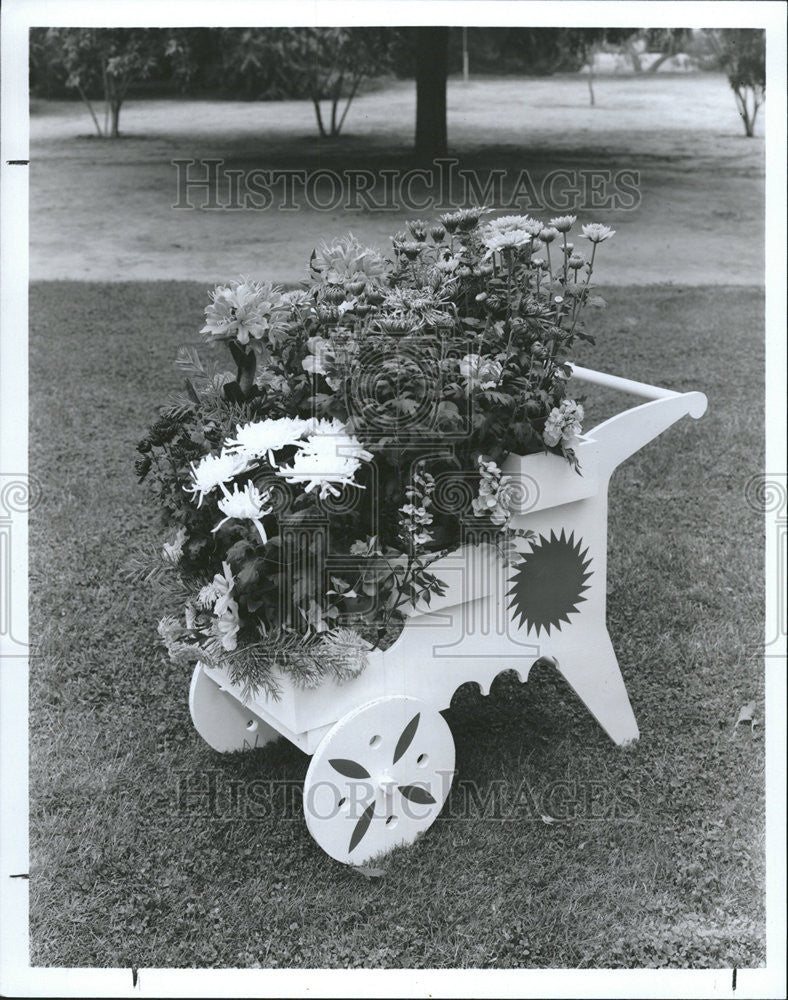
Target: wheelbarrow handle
621,384
616,439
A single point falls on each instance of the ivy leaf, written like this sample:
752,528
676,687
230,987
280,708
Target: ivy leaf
238,551
406,737
415,793
348,768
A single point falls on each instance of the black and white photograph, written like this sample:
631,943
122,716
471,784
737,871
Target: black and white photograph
393,500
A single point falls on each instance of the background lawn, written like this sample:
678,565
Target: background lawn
127,873
103,210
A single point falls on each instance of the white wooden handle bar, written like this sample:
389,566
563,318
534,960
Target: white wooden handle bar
621,384
616,439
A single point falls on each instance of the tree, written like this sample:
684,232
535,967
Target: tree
431,55
324,65
741,53
666,41
104,61
332,63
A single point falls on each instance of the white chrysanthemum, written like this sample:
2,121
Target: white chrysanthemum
597,233
243,309
172,551
328,459
248,504
323,469
213,470
264,437
322,426
323,436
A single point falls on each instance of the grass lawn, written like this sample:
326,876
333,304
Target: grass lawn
125,871
698,177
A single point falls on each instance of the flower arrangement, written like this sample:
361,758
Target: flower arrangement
360,438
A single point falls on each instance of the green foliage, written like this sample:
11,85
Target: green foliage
93,61
741,53
427,370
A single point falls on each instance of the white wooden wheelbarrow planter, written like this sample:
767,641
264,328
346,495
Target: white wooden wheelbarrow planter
383,756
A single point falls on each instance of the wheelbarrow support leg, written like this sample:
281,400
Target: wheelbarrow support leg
594,674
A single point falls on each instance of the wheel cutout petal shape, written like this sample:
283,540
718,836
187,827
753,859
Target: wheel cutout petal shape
349,768
406,738
415,793
361,827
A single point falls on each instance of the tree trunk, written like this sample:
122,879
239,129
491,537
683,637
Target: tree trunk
115,109
591,61
431,49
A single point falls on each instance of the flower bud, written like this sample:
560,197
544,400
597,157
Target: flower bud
335,294
355,287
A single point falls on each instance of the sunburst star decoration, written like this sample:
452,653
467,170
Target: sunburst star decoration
549,582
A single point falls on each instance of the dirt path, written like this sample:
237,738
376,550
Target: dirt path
104,210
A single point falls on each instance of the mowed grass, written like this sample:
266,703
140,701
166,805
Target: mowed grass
662,863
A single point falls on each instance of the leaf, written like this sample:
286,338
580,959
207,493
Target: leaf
415,793
596,302
746,714
369,872
349,768
406,737
361,827
188,360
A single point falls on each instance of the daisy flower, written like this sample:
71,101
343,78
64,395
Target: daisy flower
597,233
563,223
512,239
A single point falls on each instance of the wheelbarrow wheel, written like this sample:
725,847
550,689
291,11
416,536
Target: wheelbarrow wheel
224,722
378,779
